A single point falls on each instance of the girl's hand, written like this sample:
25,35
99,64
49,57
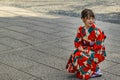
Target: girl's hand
82,49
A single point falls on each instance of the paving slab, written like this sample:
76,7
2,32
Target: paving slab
33,40
2,31
107,76
114,70
19,29
42,58
52,50
44,29
12,42
113,57
106,64
63,34
9,73
42,35
30,67
15,35
4,47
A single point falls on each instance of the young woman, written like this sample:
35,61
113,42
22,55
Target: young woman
90,50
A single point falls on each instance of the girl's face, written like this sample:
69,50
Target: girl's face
88,21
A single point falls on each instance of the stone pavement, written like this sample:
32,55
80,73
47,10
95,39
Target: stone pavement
35,46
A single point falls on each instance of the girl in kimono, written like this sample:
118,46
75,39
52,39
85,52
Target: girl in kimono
89,49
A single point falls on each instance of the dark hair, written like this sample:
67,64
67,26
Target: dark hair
87,13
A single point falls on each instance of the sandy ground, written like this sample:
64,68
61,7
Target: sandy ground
105,10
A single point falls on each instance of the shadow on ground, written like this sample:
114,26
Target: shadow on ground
108,17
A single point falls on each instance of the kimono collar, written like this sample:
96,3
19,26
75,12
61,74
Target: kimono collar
92,28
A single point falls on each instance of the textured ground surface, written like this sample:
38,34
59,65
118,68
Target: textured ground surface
35,46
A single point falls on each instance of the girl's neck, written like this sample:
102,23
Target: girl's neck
87,26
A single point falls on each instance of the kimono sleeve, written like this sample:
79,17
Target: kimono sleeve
77,40
100,37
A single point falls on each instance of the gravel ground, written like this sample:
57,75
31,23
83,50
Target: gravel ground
105,10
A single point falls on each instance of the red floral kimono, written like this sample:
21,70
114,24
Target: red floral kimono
89,52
